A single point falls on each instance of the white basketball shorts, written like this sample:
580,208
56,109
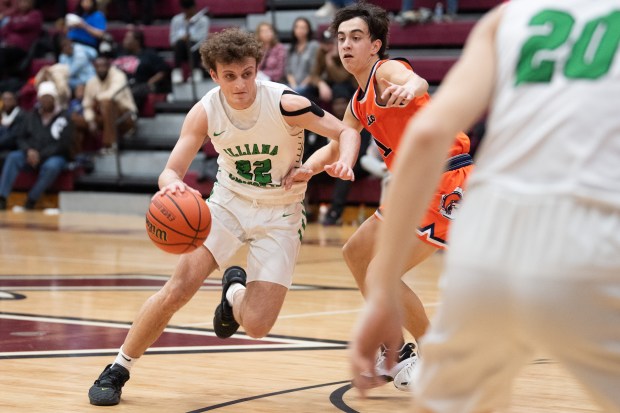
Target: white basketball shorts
273,233
525,275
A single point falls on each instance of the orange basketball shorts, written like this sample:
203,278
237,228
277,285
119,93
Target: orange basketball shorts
433,229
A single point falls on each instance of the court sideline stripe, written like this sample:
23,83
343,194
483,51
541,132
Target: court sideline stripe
262,396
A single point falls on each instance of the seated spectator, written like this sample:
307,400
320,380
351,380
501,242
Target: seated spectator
301,56
273,65
408,15
313,142
341,98
44,142
108,104
59,75
86,27
79,63
372,162
187,30
328,72
11,116
17,35
146,70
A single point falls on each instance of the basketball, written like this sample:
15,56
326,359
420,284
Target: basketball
178,223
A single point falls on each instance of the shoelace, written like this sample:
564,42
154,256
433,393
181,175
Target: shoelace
113,378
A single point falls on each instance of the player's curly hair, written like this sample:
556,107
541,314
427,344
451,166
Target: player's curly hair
376,19
229,46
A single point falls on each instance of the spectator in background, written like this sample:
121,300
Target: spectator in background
187,30
17,35
146,71
79,62
407,15
44,142
86,27
11,116
108,104
341,97
273,65
373,163
313,142
301,56
58,74
328,72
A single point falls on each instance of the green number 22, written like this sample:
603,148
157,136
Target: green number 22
261,173
590,57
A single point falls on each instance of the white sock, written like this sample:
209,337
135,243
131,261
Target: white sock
230,294
124,360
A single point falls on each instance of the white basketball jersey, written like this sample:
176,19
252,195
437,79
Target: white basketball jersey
253,161
555,123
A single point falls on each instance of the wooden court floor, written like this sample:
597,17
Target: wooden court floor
70,285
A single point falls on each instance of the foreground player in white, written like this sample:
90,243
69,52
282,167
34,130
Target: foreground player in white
534,262
258,130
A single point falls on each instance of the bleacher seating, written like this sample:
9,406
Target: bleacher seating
65,181
432,49
465,6
166,9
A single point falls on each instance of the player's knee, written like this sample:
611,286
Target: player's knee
256,327
257,331
348,251
353,252
176,297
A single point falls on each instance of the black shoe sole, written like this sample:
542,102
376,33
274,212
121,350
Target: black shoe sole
98,397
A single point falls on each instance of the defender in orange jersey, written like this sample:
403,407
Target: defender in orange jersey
390,93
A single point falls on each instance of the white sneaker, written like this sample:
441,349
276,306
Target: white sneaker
177,76
402,371
326,10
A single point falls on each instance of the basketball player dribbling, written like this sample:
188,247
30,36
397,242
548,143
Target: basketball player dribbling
257,127
534,259
390,93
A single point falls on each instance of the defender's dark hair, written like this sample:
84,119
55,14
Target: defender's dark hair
376,19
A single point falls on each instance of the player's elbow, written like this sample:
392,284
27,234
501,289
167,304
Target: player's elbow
422,87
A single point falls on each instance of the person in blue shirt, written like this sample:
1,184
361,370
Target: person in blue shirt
79,62
88,31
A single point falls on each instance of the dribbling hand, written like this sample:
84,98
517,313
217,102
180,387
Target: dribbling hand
175,186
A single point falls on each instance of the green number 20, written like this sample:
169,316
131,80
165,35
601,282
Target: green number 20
590,57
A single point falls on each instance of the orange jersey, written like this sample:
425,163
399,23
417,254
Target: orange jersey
387,124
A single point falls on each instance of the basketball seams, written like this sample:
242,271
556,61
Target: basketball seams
181,211
172,234
163,223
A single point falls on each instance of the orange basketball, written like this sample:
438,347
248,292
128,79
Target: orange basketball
178,223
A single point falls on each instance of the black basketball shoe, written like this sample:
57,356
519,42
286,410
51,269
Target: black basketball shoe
108,387
224,322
